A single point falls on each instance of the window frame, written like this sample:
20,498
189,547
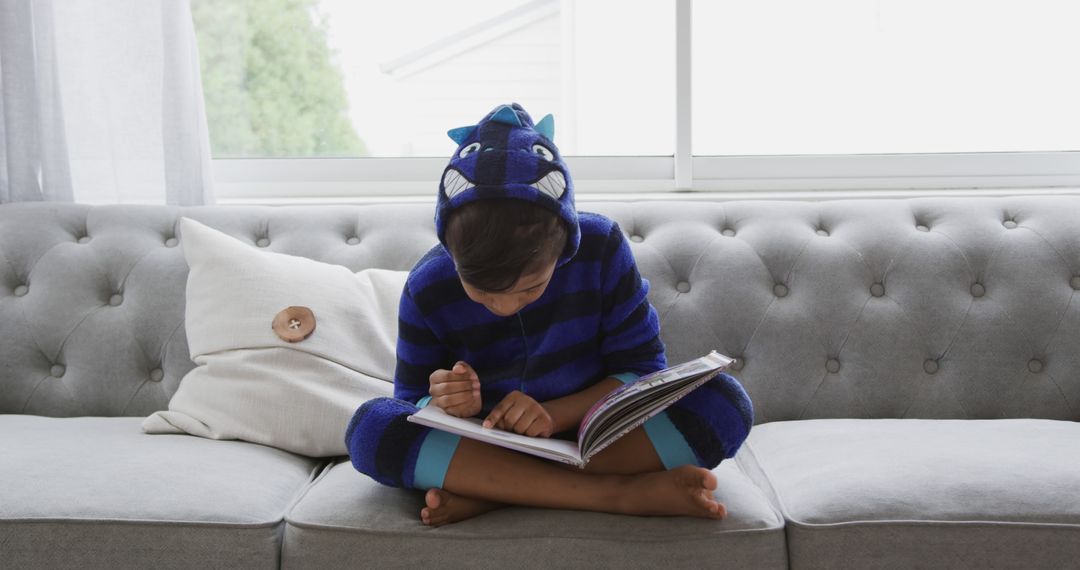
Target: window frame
680,176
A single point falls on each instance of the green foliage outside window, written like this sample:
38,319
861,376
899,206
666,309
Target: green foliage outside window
271,85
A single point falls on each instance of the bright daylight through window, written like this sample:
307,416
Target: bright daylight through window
885,76
782,94
291,78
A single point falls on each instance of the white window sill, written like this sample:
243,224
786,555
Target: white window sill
587,197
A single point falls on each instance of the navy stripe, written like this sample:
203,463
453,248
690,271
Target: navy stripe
629,360
415,375
536,322
491,166
391,456
633,320
438,293
416,336
426,355
626,289
481,337
543,364
699,435
592,248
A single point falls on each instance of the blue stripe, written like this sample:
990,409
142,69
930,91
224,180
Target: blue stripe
420,355
434,459
565,334
620,312
668,442
423,401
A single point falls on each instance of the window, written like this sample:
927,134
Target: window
783,77
387,79
343,98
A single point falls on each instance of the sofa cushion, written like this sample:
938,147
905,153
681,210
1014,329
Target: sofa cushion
98,492
347,520
918,493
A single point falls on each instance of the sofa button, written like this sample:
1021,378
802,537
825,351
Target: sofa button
930,366
262,242
636,238
737,364
84,239
57,370
1075,282
171,242
157,374
21,290
823,232
353,240
780,290
294,324
833,365
877,289
683,287
1011,224
977,290
922,228
116,299
1035,365
728,232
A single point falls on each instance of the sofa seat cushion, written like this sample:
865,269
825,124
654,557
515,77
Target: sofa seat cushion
346,520
98,492
923,493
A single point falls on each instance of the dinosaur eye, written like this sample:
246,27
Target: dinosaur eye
469,150
544,152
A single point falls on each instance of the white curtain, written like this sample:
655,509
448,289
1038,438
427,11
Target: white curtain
101,102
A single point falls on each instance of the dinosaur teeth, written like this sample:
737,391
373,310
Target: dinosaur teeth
553,184
454,183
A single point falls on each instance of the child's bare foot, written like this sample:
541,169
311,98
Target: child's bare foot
444,507
685,490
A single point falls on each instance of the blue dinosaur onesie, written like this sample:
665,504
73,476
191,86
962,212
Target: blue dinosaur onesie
593,321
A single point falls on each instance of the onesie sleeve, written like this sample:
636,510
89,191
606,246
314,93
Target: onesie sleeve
419,352
630,329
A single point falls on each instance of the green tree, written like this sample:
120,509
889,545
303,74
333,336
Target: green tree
271,84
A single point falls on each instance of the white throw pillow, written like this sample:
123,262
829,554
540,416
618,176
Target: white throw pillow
252,385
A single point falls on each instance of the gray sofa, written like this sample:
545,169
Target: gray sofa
915,367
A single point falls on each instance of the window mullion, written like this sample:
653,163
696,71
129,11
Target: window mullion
684,175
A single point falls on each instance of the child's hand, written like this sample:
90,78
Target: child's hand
456,391
521,414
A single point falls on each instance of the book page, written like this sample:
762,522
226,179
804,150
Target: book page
630,405
554,449
712,361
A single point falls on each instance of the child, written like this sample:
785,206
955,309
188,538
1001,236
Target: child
526,315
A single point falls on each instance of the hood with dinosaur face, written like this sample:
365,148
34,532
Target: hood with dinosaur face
506,156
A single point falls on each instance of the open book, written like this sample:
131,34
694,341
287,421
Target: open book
612,417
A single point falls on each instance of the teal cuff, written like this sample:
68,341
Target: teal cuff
434,459
666,439
669,442
423,401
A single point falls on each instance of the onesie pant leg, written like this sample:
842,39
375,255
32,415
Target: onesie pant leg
384,445
714,419
705,427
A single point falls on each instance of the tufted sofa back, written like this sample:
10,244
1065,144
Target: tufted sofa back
922,308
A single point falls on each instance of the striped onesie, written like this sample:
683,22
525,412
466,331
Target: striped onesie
592,322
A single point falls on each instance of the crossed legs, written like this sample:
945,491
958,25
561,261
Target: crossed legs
628,478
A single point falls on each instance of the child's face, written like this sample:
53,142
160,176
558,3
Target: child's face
529,287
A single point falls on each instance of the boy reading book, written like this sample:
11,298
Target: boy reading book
612,417
526,315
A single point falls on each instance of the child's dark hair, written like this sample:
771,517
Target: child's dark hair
495,242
